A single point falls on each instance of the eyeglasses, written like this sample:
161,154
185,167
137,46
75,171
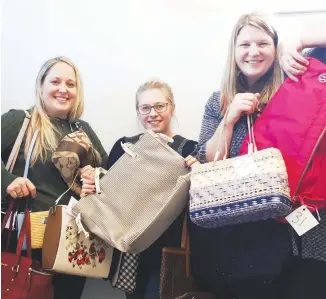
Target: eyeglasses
159,108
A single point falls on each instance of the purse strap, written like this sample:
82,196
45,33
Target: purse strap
252,147
15,150
26,227
10,166
322,135
185,244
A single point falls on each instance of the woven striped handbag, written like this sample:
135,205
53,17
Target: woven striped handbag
238,190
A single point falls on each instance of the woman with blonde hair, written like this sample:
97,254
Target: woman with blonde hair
241,261
155,108
59,105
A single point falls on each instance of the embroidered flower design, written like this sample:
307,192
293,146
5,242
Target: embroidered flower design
78,253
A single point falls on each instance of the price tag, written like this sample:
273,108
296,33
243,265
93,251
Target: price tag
302,220
80,227
71,204
244,166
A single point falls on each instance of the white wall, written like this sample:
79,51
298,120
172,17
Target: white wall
120,44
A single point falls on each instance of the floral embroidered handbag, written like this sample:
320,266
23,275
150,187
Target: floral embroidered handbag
68,248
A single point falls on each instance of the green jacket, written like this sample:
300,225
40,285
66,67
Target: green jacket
45,176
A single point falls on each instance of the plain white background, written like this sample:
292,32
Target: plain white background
118,45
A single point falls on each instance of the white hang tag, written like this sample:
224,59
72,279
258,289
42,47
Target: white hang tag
80,227
8,222
71,204
244,165
302,220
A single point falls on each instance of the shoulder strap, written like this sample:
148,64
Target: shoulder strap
15,150
322,135
178,144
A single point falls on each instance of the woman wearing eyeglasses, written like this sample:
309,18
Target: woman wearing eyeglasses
155,108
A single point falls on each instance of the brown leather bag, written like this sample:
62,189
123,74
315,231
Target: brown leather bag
175,279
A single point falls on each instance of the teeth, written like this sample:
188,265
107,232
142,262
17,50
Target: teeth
254,61
61,99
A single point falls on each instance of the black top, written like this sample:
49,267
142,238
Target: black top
45,176
151,257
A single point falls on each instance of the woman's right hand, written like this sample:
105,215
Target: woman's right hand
21,187
242,103
88,180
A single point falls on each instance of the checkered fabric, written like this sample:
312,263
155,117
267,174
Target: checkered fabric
127,273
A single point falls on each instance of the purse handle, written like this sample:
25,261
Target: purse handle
162,137
26,227
309,162
185,244
10,166
252,147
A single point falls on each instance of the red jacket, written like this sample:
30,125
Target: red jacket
294,121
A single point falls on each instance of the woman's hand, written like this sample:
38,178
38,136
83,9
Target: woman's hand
292,61
88,180
87,170
21,187
242,103
190,161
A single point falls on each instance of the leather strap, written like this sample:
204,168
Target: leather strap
184,235
185,244
26,227
26,230
15,150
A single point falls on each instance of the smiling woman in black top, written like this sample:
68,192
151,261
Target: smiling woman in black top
155,108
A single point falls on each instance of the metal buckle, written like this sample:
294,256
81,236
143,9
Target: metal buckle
15,268
52,210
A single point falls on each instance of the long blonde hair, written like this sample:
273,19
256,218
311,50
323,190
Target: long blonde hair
47,138
156,84
230,80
